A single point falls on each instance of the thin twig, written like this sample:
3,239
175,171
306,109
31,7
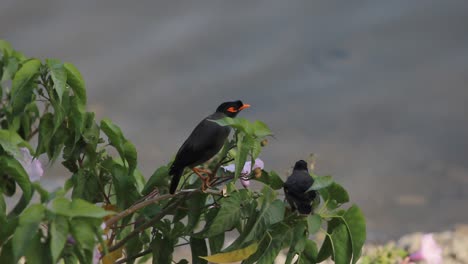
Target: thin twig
33,133
141,254
137,207
154,220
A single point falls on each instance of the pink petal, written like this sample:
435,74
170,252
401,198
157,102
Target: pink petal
33,167
35,170
247,167
246,170
230,167
245,183
431,252
416,256
258,164
96,256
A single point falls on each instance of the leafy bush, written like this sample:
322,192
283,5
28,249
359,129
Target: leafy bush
107,209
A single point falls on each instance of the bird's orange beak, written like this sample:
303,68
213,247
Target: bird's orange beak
244,106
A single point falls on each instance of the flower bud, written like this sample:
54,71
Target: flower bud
257,172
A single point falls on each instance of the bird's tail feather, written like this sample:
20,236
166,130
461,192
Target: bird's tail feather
176,174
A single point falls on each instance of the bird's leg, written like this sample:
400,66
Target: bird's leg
205,179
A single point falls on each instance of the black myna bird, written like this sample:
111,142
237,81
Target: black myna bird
205,141
296,186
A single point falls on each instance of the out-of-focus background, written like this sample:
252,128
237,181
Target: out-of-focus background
377,89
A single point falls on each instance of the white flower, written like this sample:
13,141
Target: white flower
32,166
429,251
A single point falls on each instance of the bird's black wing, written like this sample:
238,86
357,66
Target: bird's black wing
200,145
295,189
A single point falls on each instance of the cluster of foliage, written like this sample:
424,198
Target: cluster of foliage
385,255
45,102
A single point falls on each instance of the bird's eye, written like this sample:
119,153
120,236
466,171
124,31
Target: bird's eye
232,109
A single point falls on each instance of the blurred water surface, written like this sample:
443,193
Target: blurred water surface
378,89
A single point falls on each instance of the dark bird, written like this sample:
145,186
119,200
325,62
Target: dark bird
296,186
205,141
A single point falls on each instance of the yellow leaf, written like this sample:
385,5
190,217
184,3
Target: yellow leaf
112,256
233,256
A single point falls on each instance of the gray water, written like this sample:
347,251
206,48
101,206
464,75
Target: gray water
377,89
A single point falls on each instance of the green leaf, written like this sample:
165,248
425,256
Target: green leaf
5,47
272,179
337,242
133,247
157,180
356,224
77,117
233,256
91,133
59,76
8,185
298,241
261,129
228,216
86,186
216,243
198,248
240,124
84,231
23,85
59,114
114,134
326,250
125,187
46,128
321,182
341,243
244,146
162,249
8,228
6,254
37,251
43,193
335,194
13,168
58,236
196,206
9,140
273,241
125,149
313,223
2,205
76,82
76,208
130,156
29,222
10,67
269,214
309,255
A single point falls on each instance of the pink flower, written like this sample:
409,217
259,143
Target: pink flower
247,167
32,166
429,251
71,240
244,179
96,255
245,182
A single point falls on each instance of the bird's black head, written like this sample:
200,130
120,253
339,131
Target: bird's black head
231,109
300,165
